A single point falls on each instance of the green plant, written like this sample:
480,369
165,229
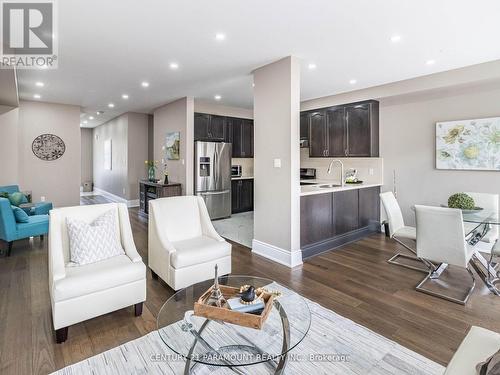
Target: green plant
462,201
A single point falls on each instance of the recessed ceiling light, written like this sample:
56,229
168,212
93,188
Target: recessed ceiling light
353,81
91,117
220,36
174,66
99,113
395,38
111,105
39,84
217,97
124,96
36,96
145,84
430,62
312,66
253,84
85,122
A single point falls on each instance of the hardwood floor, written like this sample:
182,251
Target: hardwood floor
354,281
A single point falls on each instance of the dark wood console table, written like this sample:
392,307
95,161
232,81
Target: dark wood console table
153,190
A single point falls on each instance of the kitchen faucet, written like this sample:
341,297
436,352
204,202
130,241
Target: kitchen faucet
329,171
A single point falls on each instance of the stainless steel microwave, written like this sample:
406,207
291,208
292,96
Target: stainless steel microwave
236,171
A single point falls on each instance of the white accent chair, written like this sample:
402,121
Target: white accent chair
441,240
490,203
477,346
398,231
79,293
183,244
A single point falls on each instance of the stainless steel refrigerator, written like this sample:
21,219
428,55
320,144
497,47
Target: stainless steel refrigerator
212,176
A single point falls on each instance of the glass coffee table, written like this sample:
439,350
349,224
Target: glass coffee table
203,341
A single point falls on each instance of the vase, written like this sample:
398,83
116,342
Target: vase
165,180
151,174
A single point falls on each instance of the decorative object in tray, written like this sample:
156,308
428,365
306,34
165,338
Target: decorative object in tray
243,306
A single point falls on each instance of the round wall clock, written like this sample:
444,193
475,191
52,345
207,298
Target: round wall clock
48,147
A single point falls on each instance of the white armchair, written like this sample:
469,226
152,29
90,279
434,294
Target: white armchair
83,292
183,244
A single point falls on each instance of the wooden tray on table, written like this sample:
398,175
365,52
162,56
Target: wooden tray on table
230,316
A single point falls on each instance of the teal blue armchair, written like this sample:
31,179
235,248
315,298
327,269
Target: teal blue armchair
10,230
41,208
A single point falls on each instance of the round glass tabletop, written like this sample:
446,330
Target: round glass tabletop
482,217
218,343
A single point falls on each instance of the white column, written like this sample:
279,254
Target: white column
277,162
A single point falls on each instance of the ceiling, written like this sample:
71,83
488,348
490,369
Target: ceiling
107,48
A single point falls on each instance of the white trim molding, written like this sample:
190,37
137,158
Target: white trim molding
288,258
116,198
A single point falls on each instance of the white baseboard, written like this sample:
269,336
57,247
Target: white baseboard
116,198
276,254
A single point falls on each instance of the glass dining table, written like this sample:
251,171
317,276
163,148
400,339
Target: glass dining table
478,224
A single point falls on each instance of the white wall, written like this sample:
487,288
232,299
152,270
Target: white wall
277,201
129,149
114,181
58,180
222,110
172,117
9,150
407,144
137,152
86,155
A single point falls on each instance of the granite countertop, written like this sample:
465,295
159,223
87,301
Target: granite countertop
315,189
242,178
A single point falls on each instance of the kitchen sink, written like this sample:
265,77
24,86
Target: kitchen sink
329,186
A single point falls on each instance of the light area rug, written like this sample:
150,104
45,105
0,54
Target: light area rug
237,228
361,351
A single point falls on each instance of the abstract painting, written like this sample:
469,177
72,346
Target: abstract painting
468,144
172,146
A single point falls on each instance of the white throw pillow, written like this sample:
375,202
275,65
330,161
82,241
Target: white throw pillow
90,243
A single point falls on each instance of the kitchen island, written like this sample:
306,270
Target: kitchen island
331,216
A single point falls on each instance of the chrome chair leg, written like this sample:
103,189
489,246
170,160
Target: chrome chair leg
394,259
420,287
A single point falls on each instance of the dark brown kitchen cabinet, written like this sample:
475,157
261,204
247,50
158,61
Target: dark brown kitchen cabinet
242,138
316,213
241,195
349,130
209,127
346,215
304,130
317,134
369,207
362,129
329,220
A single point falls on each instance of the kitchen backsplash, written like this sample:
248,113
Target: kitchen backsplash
246,166
363,166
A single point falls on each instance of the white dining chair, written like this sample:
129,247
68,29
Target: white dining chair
400,232
441,240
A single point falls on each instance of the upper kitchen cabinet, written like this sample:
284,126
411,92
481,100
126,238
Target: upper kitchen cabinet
318,143
209,127
304,130
349,130
362,129
242,138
